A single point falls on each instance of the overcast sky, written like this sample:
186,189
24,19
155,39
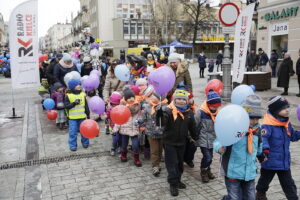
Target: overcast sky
50,11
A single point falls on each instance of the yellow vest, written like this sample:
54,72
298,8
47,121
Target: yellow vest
78,112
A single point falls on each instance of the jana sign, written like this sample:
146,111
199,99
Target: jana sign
228,14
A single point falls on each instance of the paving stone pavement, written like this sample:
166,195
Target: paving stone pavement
103,177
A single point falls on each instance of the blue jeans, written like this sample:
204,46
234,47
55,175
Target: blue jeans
116,140
74,125
239,190
207,157
134,143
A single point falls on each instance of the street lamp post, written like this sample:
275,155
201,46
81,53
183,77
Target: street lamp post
227,69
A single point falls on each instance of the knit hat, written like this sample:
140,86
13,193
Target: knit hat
181,94
86,59
182,86
252,104
213,99
174,57
141,81
135,89
59,56
57,85
66,57
128,93
115,98
277,104
73,83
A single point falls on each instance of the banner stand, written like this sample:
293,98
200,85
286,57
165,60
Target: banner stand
14,116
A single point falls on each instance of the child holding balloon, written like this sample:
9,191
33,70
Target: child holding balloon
205,118
178,120
239,160
78,111
129,129
277,133
58,96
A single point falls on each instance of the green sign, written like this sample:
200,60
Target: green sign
287,12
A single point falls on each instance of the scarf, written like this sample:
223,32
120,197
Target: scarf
129,104
250,139
175,111
204,108
154,105
151,62
270,120
64,65
193,107
139,98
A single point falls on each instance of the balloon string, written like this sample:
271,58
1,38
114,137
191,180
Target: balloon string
160,116
221,158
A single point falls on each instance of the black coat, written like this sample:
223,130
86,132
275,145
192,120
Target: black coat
50,72
86,70
284,72
177,132
60,72
298,67
252,59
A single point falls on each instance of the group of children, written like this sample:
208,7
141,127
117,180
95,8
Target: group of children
169,126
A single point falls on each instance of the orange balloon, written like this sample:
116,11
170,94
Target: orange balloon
120,114
215,85
45,56
89,128
51,114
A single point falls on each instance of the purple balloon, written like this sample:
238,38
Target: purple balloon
95,80
95,72
88,85
298,112
96,105
151,76
164,80
95,45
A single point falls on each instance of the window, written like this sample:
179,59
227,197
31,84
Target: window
146,29
133,28
126,28
140,28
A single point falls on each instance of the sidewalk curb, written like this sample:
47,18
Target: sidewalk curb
39,132
22,155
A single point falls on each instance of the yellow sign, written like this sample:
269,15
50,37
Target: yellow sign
210,38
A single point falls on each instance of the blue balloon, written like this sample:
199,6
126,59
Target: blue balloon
79,66
1,56
75,61
231,124
122,72
253,87
49,104
4,69
5,59
7,55
240,93
8,61
0,69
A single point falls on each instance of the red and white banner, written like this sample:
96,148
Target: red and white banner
242,36
24,45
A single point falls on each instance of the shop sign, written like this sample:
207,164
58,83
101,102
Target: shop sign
284,13
281,28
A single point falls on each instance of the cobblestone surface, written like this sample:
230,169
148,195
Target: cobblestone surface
102,177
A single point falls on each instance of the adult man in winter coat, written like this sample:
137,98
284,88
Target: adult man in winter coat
252,60
284,72
298,72
50,69
273,62
263,60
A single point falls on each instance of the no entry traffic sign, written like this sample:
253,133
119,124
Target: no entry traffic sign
228,14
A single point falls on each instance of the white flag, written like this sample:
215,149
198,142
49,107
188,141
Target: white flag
23,44
242,34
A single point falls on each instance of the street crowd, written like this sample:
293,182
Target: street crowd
172,123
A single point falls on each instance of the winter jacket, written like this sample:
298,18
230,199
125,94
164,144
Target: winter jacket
284,72
263,59
183,75
149,121
277,141
58,98
61,69
202,61
111,123
274,59
69,105
219,59
252,60
237,163
86,70
177,131
50,72
112,83
205,129
298,67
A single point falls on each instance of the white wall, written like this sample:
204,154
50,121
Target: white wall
105,17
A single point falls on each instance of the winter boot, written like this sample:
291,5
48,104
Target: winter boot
181,185
136,157
204,175
107,131
155,171
146,153
123,156
261,196
61,126
173,190
210,174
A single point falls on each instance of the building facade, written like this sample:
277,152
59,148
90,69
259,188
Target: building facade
278,26
55,34
3,33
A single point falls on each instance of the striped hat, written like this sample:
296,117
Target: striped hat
213,99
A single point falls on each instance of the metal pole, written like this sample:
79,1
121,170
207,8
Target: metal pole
227,69
167,22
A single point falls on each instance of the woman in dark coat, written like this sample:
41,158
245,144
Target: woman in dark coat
284,72
202,64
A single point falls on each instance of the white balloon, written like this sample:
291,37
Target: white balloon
101,51
84,78
75,75
94,53
67,77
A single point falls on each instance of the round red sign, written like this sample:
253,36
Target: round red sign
228,14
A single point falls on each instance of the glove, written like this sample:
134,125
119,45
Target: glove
77,101
264,156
